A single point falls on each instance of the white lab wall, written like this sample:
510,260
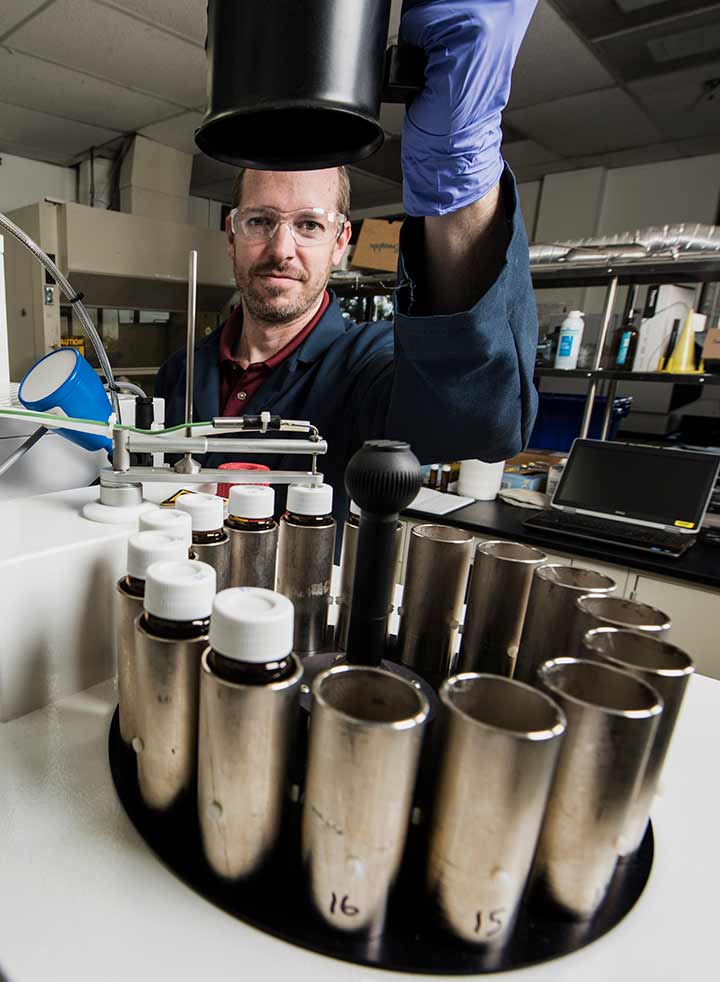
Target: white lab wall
529,200
24,181
655,194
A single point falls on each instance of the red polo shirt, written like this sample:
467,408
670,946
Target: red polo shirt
238,384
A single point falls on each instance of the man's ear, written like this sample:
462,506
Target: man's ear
230,238
341,244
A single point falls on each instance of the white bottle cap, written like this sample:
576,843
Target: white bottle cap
310,499
146,548
252,625
354,507
251,501
180,590
205,511
576,313
170,521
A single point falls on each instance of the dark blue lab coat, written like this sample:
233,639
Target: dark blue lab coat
455,387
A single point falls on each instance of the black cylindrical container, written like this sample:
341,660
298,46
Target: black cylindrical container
294,84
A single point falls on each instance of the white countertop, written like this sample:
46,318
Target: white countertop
83,898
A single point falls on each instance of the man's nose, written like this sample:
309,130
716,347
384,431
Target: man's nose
282,245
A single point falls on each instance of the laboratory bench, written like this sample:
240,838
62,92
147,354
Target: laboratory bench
687,588
82,898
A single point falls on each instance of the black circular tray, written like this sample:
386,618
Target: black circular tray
277,904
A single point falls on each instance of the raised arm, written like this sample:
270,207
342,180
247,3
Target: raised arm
451,142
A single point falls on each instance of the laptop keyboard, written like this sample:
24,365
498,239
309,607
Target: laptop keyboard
634,536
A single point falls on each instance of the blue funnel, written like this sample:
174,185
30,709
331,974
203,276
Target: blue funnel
65,384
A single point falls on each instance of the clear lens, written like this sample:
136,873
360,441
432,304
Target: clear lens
308,226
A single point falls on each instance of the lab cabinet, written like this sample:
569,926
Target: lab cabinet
695,614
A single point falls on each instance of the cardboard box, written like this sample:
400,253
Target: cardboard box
711,350
378,245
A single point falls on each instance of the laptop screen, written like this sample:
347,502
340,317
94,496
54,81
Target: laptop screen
667,487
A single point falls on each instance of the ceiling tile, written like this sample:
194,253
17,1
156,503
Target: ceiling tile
37,84
33,152
598,17
553,62
671,45
178,132
594,122
385,162
675,102
187,18
363,183
63,138
89,37
13,11
524,153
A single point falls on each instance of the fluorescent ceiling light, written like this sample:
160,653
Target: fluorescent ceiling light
698,41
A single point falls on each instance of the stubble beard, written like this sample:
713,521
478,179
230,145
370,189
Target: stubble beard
262,304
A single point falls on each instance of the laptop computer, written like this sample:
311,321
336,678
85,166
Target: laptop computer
631,495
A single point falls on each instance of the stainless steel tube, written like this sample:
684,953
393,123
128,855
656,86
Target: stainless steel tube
609,402
499,750
433,594
365,736
612,718
548,628
127,610
244,743
599,350
253,557
217,555
499,589
190,339
167,677
304,568
593,611
347,579
667,669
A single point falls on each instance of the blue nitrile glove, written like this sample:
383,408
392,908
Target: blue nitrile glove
451,135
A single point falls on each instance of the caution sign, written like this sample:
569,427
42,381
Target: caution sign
78,343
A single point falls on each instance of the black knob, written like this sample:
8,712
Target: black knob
383,477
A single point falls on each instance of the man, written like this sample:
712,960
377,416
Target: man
453,374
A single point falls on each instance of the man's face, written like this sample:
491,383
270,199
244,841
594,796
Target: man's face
279,280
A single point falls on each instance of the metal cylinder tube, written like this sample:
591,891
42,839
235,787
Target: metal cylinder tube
498,754
167,680
548,628
497,600
253,557
304,569
365,736
244,740
347,579
217,555
127,609
593,611
667,669
438,564
612,718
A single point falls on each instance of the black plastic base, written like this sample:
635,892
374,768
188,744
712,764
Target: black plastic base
276,902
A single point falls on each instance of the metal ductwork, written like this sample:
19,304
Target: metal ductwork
665,240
